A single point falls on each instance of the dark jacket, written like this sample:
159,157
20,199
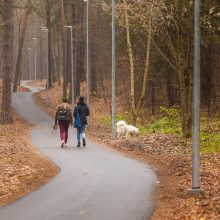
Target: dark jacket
83,111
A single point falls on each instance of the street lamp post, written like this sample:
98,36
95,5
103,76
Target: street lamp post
113,73
71,58
29,62
35,58
196,104
45,29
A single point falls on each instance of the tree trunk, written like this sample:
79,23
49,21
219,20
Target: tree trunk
56,61
20,49
146,69
50,50
65,80
207,75
58,58
152,98
80,47
93,49
76,86
131,60
7,61
68,66
170,90
185,70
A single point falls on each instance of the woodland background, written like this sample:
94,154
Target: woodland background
154,67
154,47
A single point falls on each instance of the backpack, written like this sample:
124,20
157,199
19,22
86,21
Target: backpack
63,114
77,122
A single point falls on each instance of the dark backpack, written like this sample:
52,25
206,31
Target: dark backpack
63,114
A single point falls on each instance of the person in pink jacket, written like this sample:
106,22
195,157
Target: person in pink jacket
63,118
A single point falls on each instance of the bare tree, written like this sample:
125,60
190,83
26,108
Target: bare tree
8,16
177,34
51,68
147,62
131,59
21,45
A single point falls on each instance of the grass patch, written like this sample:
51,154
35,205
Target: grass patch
162,125
106,120
209,142
169,122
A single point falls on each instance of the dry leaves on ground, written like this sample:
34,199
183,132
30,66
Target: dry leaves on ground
171,162
22,168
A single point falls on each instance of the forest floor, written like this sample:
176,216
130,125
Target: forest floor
168,157
22,167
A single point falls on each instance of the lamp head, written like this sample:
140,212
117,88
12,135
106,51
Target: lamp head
44,28
68,26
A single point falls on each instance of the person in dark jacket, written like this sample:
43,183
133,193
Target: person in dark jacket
83,111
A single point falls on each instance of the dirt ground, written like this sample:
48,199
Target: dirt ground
170,161
22,167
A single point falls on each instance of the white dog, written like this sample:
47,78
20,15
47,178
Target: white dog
121,128
126,130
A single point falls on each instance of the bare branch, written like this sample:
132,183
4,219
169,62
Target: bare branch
164,56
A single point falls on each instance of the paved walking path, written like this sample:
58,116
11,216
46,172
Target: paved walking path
94,183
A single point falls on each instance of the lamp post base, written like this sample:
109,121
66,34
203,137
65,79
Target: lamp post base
194,191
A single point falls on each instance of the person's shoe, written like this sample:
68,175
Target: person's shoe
78,145
66,145
84,143
62,144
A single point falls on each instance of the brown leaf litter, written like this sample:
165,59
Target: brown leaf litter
170,159
22,167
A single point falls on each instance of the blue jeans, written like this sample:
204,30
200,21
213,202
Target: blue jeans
81,133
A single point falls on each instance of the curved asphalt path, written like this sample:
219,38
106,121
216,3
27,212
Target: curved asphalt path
94,183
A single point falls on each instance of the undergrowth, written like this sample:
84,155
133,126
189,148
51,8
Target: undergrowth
169,122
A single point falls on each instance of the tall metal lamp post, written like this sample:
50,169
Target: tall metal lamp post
71,58
29,62
35,57
196,103
45,29
113,73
